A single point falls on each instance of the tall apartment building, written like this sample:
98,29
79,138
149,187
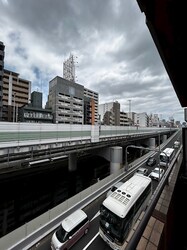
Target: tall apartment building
154,120
71,103
36,99
109,113
131,116
141,119
124,120
2,53
90,107
16,93
66,99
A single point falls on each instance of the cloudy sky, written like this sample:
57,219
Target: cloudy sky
114,52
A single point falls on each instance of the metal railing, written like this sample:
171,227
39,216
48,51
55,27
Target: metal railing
133,242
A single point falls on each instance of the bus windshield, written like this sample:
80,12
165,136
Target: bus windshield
111,223
166,156
163,158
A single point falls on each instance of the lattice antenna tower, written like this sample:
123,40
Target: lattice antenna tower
69,69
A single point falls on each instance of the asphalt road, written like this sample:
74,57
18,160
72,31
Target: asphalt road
92,240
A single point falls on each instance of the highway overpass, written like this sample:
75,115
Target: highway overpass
36,230
22,143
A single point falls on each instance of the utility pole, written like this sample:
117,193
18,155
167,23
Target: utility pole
129,111
140,147
14,106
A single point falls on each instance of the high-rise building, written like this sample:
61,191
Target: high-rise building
16,93
36,99
154,120
66,99
124,120
2,48
90,107
141,119
109,113
71,103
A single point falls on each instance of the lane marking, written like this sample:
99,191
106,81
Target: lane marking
90,242
96,215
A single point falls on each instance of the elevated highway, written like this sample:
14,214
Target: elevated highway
35,232
22,143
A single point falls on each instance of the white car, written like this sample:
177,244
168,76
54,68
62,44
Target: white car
176,144
155,173
143,171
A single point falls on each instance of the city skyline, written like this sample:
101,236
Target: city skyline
116,56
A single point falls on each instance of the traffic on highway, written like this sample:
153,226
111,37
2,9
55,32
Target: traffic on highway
92,239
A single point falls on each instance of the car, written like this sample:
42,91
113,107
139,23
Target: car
176,144
155,173
114,187
143,171
71,229
151,161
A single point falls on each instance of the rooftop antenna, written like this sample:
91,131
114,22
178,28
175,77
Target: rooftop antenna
69,68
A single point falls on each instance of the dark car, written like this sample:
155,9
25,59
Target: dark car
151,161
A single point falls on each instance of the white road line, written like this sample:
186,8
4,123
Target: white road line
90,242
96,215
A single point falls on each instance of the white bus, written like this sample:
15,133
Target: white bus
120,210
166,156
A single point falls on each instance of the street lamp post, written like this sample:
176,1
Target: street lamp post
14,107
126,152
140,147
159,153
129,111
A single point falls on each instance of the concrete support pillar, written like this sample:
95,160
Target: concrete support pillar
116,159
164,138
72,163
152,143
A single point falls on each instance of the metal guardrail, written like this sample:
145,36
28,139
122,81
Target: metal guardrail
133,242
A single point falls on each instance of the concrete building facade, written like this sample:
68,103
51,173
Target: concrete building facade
109,113
141,119
91,109
16,93
2,53
34,112
124,120
71,103
66,100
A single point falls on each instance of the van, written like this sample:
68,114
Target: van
71,229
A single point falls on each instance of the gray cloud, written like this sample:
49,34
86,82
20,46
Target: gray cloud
115,52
